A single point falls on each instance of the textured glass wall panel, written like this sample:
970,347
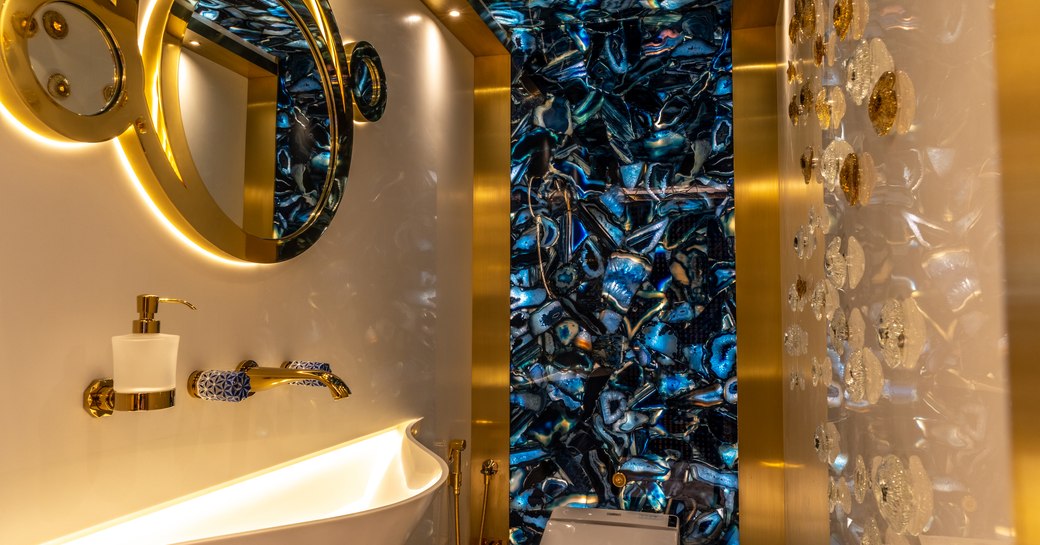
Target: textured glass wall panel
896,415
623,330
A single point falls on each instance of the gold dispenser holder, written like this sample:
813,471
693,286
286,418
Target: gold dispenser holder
100,399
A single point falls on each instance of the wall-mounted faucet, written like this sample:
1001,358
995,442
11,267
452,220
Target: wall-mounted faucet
249,378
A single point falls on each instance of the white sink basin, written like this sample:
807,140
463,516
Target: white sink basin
371,490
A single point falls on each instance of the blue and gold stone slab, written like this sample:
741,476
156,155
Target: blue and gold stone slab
623,339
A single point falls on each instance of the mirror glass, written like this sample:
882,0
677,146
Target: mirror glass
255,115
73,58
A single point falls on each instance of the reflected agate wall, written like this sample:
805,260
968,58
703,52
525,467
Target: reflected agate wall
895,346
623,391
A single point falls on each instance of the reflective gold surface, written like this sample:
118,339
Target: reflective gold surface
491,287
1018,73
759,293
100,399
755,13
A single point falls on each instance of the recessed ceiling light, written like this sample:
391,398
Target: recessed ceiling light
454,13
194,43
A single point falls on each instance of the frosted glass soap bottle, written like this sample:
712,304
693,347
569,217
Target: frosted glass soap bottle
146,360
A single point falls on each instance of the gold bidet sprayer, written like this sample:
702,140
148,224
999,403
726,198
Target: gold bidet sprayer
455,448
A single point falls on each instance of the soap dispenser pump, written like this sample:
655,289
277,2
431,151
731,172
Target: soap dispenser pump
144,365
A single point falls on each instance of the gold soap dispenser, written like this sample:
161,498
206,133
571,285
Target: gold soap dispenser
144,366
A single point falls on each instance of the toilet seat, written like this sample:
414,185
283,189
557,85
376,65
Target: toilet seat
578,526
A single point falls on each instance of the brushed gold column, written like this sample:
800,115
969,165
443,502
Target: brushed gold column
491,293
757,204
1018,72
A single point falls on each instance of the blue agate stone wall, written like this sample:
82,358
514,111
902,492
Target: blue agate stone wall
622,287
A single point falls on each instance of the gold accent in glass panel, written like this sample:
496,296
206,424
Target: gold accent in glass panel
819,50
823,109
805,10
836,98
793,75
860,17
883,104
806,98
850,177
808,163
907,98
842,17
794,110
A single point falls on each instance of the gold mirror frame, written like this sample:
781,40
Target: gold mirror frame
146,121
30,103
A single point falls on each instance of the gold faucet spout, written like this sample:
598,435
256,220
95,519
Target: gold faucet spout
265,378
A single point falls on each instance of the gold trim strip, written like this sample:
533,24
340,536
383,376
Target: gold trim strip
1018,77
759,365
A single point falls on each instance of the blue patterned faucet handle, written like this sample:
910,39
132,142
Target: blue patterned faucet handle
308,366
215,385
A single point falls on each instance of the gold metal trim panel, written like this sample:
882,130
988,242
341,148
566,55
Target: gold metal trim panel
754,14
1018,73
490,426
759,366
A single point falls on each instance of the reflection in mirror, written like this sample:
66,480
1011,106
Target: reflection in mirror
74,58
251,88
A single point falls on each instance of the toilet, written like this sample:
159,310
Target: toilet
577,526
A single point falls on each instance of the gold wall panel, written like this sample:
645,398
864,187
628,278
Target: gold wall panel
754,14
1018,72
759,365
491,292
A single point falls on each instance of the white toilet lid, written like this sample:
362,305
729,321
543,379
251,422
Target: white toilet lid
575,526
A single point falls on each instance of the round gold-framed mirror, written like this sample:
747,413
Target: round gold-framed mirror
297,112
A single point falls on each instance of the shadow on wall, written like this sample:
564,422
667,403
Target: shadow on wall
623,327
